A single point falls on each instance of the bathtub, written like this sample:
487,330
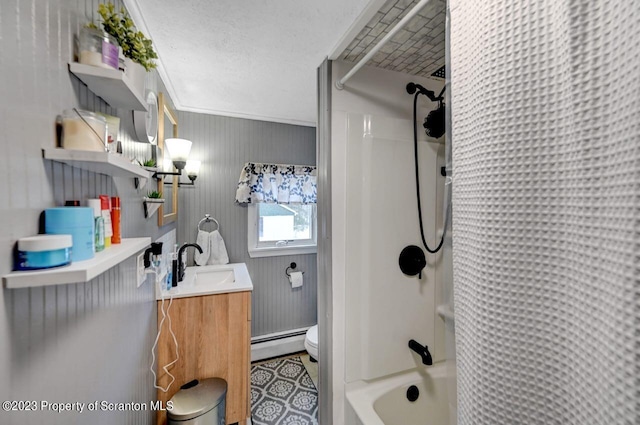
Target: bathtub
384,401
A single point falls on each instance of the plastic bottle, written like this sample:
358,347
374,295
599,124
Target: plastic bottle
99,223
115,220
106,215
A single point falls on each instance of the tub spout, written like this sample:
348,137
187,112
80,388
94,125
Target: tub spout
423,351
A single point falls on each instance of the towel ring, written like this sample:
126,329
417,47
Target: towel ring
207,218
292,266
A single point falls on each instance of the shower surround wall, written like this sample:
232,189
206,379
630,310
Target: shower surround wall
224,145
79,342
376,309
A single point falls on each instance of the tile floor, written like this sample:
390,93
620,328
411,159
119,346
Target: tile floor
310,367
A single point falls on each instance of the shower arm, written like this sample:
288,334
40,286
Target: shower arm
413,12
413,87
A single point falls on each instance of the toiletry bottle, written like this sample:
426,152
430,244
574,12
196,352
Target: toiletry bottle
169,278
99,221
106,215
115,220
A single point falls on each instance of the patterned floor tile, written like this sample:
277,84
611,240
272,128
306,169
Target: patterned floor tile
282,393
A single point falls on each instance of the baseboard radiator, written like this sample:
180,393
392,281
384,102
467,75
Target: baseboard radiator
277,344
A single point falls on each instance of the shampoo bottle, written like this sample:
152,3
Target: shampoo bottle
99,223
106,215
115,220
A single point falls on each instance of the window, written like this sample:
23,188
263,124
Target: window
279,229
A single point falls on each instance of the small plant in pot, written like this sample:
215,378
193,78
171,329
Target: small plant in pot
134,44
155,196
149,164
152,202
137,49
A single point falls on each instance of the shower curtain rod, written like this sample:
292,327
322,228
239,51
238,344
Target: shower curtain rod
413,12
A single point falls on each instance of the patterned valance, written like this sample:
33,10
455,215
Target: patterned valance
278,184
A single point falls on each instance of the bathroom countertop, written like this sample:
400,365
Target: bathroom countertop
194,287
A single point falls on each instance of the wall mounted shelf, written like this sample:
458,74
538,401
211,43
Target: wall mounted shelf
82,271
112,85
151,205
98,162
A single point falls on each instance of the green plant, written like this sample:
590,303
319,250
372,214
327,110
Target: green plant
134,44
147,162
154,194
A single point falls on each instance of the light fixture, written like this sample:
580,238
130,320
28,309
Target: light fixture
178,150
192,168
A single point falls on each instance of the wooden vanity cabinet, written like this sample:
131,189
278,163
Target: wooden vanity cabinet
213,333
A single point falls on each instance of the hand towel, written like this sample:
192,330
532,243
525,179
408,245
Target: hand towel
217,249
203,240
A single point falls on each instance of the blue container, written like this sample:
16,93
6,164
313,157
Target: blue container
43,252
77,222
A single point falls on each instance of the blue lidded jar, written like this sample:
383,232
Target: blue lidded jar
43,252
77,222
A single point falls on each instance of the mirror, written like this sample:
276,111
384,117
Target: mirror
167,128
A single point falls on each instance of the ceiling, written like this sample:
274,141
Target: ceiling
258,59
417,49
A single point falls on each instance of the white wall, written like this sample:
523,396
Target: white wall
378,93
65,343
224,145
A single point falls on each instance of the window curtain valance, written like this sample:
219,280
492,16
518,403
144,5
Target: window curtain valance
277,184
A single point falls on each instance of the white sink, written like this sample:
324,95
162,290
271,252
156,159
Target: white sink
210,280
214,277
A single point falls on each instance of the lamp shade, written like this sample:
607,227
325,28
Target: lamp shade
178,151
193,167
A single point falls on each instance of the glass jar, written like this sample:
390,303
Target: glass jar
98,48
83,130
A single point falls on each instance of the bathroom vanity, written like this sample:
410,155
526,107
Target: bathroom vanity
211,319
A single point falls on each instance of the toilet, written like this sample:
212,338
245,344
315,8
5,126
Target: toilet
311,343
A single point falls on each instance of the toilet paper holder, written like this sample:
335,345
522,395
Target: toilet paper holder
292,266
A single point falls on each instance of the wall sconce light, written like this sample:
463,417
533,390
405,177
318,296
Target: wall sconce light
192,168
178,150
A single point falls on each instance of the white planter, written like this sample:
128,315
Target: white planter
151,205
136,74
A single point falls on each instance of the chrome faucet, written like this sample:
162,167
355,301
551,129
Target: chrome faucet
178,267
423,351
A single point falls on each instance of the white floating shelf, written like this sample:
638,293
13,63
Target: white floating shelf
97,162
151,205
110,84
81,271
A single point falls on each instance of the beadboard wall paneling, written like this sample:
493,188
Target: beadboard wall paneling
78,342
223,145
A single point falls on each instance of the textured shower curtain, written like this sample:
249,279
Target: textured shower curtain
546,210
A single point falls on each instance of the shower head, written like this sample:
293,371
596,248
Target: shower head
435,122
413,87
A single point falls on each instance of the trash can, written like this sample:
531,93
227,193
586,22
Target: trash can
199,403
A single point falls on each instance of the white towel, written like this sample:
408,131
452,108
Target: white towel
217,249
203,240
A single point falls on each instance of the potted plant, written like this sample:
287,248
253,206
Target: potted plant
152,202
137,48
148,164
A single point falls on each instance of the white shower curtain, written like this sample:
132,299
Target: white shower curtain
546,210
